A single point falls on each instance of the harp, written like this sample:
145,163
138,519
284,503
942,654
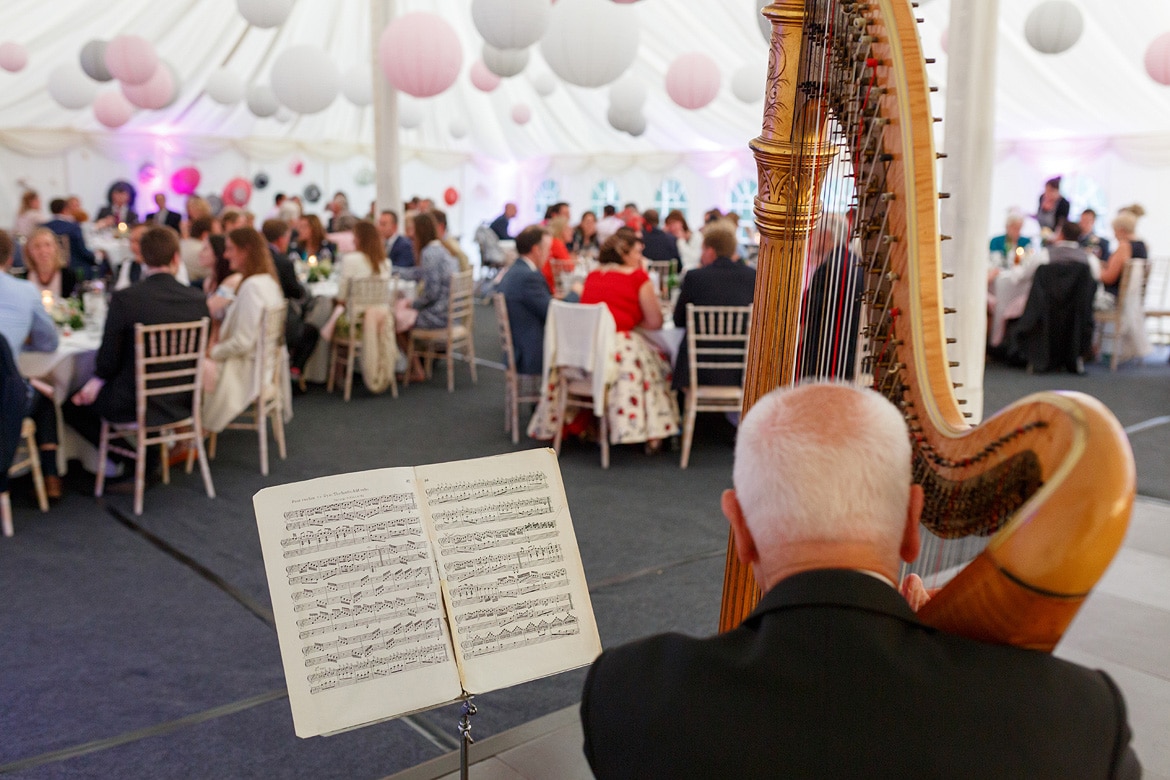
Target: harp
1045,487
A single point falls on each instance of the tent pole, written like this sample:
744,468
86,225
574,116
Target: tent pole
966,174
386,152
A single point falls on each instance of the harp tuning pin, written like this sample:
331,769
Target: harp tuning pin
944,195
960,401
892,277
968,415
949,311
947,275
952,341
929,60
953,364
937,119
888,196
940,155
956,385
934,89
945,237
920,20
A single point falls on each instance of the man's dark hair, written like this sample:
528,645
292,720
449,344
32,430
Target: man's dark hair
159,245
273,229
278,198
631,205
721,238
57,205
5,249
200,227
608,210
650,217
440,217
392,214
1089,211
1069,230
530,237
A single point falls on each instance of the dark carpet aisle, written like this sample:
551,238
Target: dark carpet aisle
143,647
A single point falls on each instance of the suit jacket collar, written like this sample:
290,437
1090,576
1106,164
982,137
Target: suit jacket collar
725,262
834,587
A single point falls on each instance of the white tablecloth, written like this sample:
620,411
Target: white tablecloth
668,339
317,368
117,250
66,369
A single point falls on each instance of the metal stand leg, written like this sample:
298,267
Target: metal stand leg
465,737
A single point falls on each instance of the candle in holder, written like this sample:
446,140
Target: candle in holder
312,261
47,301
122,228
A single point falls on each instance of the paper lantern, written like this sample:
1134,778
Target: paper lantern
225,86
450,196
296,167
622,118
457,128
13,56
131,59
504,62
420,54
305,79
1054,26
590,43
410,114
260,180
627,94
544,83
483,79
70,87
358,85
765,25
312,193
510,24
112,109
185,181
1158,59
521,113
93,60
147,173
692,80
637,124
265,13
237,192
177,81
365,176
748,83
283,115
262,100
155,93
215,203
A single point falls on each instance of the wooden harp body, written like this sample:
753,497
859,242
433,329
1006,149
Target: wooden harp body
1049,482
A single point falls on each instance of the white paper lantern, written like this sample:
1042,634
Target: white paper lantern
70,87
765,25
625,119
748,83
510,24
1054,26
410,113
692,80
131,59
482,78
544,83
13,56
357,84
504,62
265,13
420,54
637,124
283,115
521,113
1158,59
225,86
457,128
93,61
627,94
112,109
305,79
155,93
262,100
590,43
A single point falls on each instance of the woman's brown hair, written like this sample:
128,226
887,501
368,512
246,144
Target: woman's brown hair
316,235
616,246
258,259
424,233
367,241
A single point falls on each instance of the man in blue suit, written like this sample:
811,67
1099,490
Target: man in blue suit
399,248
527,296
81,259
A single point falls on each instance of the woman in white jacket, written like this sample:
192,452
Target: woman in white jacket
232,385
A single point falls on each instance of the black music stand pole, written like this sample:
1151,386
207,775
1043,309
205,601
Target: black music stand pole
465,738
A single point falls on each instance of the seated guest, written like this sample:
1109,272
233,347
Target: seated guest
198,208
135,268
1129,247
1010,248
366,261
499,225
164,217
46,266
231,377
80,259
644,409
1089,239
720,281
433,269
690,244
831,309
220,284
585,235
191,247
312,240
278,234
230,219
31,215
660,245
300,336
340,218
157,299
24,324
527,296
398,247
119,208
450,244
558,253
832,674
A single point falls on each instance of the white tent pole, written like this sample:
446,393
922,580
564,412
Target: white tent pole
967,176
386,155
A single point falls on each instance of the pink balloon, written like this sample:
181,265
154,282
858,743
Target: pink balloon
155,93
131,59
692,81
185,180
482,78
450,196
521,113
296,167
1158,59
112,109
13,56
420,54
237,192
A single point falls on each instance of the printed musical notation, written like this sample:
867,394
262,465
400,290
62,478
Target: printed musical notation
472,490
492,513
531,633
382,666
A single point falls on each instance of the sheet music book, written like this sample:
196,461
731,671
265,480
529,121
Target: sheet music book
398,590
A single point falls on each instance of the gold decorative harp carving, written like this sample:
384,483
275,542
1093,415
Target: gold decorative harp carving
1048,482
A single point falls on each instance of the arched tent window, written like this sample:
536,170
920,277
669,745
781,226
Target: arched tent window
605,193
548,193
670,195
743,200
1083,192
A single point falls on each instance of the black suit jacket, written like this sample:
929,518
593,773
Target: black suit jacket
80,257
723,283
157,299
527,296
660,245
107,210
286,274
172,219
833,676
1056,327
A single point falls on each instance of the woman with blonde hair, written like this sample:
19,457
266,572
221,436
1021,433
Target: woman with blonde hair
1129,246
31,214
46,266
230,383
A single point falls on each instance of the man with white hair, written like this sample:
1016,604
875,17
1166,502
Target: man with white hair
832,675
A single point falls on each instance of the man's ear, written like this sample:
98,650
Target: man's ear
911,541
745,545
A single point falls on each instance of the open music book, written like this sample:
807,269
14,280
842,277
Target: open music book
398,590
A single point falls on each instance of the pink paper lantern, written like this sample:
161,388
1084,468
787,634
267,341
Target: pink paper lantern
296,167
155,93
692,81
131,59
521,113
237,192
1158,59
112,109
420,54
482,78
13,56
450,196
185,180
